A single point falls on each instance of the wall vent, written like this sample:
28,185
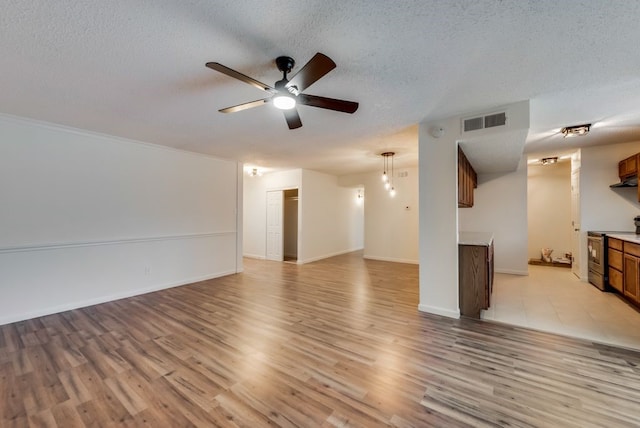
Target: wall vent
482,122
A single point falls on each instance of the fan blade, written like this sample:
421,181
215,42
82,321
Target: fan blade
328,103
293,118
317,67
237,75
245,106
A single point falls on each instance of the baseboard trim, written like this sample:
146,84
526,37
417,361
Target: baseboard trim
513,272
110,298
391,259
439,311
326,256
254,256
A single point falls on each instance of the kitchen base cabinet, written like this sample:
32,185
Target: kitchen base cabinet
631,277
616,280
616,257
631,271
475,272
624,266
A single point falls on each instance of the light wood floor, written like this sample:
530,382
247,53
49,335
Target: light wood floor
338,342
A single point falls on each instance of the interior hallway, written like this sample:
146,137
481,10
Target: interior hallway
553,299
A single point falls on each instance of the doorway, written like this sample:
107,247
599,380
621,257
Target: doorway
282,225
290,225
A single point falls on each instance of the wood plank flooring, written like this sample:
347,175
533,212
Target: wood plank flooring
337,342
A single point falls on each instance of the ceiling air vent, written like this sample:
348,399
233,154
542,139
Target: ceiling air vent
498,119
482,122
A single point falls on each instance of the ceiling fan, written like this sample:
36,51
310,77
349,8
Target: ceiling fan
287,93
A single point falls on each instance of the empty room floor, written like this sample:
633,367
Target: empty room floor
553,299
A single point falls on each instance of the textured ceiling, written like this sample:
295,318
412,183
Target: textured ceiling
136,69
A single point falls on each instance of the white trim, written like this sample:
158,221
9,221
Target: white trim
239,215
111,138
513,272
391,259
326,256
439,311
254,256
59,245
105,299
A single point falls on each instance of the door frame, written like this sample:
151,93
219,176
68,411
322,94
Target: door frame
299,240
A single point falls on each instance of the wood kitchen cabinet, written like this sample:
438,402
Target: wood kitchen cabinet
467,181
475,273
615,257
624,266
628,167
631,271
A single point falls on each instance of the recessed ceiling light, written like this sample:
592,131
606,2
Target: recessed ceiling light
549,161
571,131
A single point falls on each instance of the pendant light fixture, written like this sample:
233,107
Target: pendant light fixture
388,173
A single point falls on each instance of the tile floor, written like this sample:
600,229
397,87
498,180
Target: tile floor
553,299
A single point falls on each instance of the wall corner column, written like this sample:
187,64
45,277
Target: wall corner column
438,199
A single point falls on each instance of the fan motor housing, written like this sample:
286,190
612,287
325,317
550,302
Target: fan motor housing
285,63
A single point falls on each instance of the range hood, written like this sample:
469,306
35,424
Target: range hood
629,182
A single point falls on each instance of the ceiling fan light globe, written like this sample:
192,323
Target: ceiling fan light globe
284,102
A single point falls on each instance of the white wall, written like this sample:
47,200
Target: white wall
88,218
500,207
603,208
330,218
549,208
390,224
329,222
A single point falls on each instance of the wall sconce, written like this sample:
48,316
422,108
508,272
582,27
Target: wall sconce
572,131
254,172
360,196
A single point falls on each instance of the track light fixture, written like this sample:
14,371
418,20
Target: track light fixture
572,131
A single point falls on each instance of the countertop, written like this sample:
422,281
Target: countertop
475,238
629,237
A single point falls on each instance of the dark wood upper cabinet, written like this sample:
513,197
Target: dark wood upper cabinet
467,181
628,167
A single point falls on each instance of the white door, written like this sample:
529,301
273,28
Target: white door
274,225
575,213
